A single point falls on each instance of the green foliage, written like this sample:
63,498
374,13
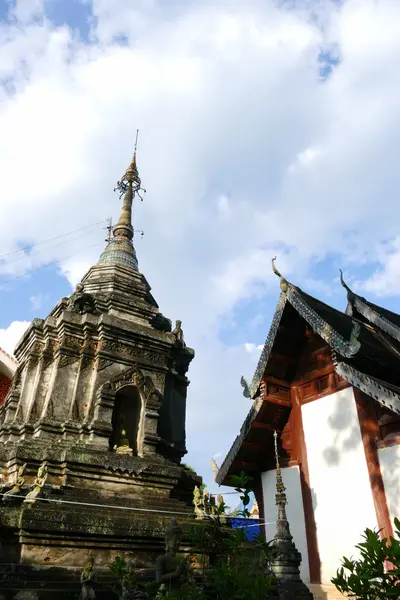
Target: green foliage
188,467
231,567
242,486
238,582
366,578
118,570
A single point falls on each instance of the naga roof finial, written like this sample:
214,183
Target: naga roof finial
283,282
350,293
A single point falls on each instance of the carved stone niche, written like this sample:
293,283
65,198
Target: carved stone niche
128,402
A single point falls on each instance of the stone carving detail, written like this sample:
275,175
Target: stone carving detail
103,363
134,352
71,342
16,488
131,376
171,569
178,334
67,359
82,302
38,485
87,581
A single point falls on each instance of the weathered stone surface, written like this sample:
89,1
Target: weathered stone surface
103,362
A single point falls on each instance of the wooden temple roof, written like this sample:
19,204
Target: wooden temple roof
363,354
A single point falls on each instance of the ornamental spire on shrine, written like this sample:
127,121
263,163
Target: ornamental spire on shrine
120,249
286,559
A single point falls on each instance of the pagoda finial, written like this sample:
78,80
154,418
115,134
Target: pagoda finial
120,250
128,186
283,282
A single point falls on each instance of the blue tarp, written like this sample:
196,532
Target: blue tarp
251,527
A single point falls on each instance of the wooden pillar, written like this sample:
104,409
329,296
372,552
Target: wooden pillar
370,435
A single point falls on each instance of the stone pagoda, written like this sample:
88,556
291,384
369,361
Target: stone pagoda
92,430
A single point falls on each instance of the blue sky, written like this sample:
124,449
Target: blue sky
264,130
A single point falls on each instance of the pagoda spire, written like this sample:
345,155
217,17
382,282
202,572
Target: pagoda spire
286,559
120,249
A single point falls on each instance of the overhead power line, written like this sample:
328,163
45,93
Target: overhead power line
30,246
142,510
33,255
49,264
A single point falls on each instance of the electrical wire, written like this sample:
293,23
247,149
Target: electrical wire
30,246
33,255
132,508
49,264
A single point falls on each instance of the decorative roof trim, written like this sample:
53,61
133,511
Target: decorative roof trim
343,347
369,385
230,457
360,304
269,342
377,319
321,327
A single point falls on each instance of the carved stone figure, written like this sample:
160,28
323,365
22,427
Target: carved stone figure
170,569
206,502
178,333
129,589
87,581
198,503
16,488
38,485
82,302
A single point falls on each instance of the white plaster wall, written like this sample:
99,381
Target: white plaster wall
7,365
389,459
294,510
339,480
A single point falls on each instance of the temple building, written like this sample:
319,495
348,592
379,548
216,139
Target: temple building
92,430
8,366
329,383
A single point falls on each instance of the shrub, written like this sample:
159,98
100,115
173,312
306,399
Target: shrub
368,578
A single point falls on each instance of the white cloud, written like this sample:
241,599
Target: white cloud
250,347
10,336
385,281
227,97
26,10
38,300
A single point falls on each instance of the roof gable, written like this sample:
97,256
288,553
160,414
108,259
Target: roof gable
8,364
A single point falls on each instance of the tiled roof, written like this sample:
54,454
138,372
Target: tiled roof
361,352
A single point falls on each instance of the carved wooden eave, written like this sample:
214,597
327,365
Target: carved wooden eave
373,316
254,442
383,319
387,396
359,356
346,348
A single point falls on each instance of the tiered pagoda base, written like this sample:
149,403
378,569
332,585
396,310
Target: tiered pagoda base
93,504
